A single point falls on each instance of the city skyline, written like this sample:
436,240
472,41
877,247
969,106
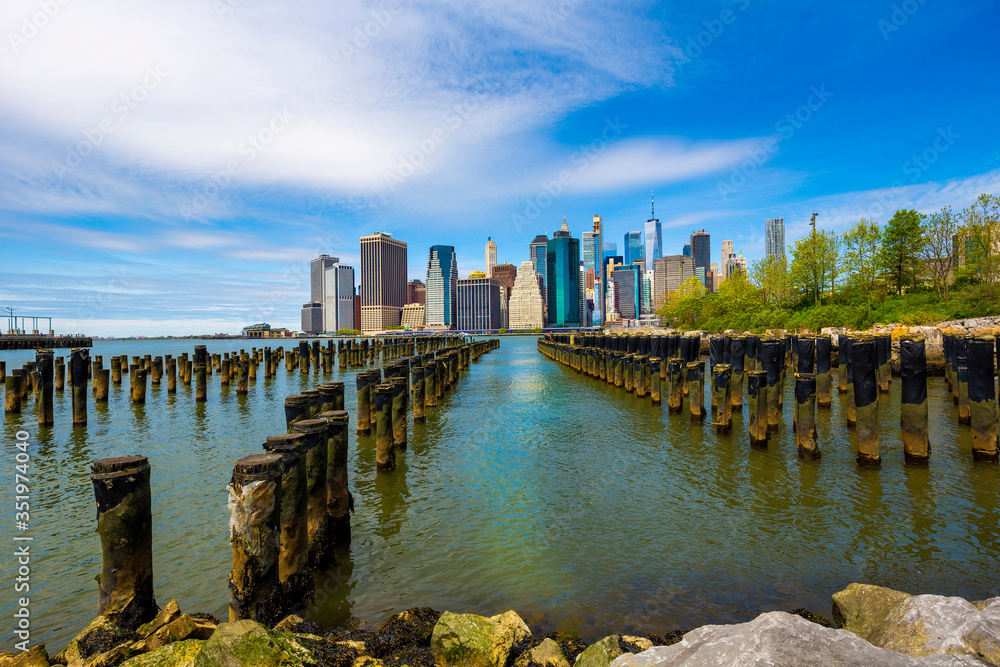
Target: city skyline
145,193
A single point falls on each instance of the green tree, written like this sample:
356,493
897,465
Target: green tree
816,264
902,248
980,235
861,253
770,276
682,306
938,254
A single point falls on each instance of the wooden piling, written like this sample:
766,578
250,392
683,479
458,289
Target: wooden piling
913,399
12,393
79,363
757,399
385,456
399,409
46,372
696,399
296,410
982,397
865,371
805,410
337,493
315,431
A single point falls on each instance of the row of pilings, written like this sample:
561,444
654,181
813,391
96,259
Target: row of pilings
48,374
654,365
289,506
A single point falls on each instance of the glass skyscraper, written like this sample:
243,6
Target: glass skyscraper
441,311
653,232
538,253
563,284
774,236
701,249
634,248
590,257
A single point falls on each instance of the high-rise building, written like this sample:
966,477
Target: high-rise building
610,250
416,291
441,310
413,316
331,285
737,264
634,248
716,278
598,278
774,236
701,249
628,291
669,273
505,275
701,273
653,233
383,281
647,292
585,317
563,284
538,254
478,304
588,248
727,254
525,309
687,250
491,256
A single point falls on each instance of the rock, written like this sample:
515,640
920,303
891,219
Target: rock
641,643
920,625
185,627
178,654
778,639
546,654
412,627
99,637
166,615
249,644
36,656
600,654
289,623
367,661
468,640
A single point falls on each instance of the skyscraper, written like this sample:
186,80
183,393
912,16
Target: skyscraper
634,248
653,233
442,284
628,291
687,250
610,250
416,291
701,249
491,256
525,309
538,253
669,273
331,288
563,284
478,304
598,278
774,236
589,250
383,281
727,254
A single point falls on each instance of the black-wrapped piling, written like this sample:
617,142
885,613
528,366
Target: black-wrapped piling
696,399
757,399
125,524
961,349
982,398
805,410
865,370
913,399
79,364
44,360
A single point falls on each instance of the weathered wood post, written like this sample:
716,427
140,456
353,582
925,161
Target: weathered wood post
737,355
60,367
419,406
723,418
883,352
982,398
293,542
675,395
824,351
116,370
654,380
913,400
430,380
338,496
362,381
296,410
172,376
696,398
757,397
125,524
399,405
255,529
79,364
12,393
44,369
137,379
200,371
962,372
242,375
157,373
385,454
805,409
772,362
863,363
315,431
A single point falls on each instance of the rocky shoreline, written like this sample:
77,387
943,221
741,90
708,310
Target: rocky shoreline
871,626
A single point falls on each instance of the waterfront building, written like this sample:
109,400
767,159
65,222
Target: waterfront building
331,285
312,317
505,275
653,233
525,308
598,278
633,248
628,291
563,283
701,250
441,311
589,250
716,279
413,317
478,303
383,281
737,264
687,250
416,291
491,256
647,292
774,236
538,254
669,273
610,250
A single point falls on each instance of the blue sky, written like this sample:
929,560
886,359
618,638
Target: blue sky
172,167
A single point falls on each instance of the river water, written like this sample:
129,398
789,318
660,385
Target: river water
530,488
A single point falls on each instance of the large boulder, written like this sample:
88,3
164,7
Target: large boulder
178,654
600,654
468,640
922,624
249,644
36,656
99,637
546,654
778,639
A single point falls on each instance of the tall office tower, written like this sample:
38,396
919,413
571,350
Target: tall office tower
716,278
701,249
669,273
383,281
610,250
331,285
727,254
442,283
585,318
312,317
737,264
563,283
687,250
628,291
416,291
653,233
598,278
505,275
774,236
539,252
634,248
588,248
647,292
478,304
525,309
491,256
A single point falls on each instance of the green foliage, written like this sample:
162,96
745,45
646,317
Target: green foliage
901,249
348,332
862,253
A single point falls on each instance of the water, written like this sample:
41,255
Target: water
529,488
